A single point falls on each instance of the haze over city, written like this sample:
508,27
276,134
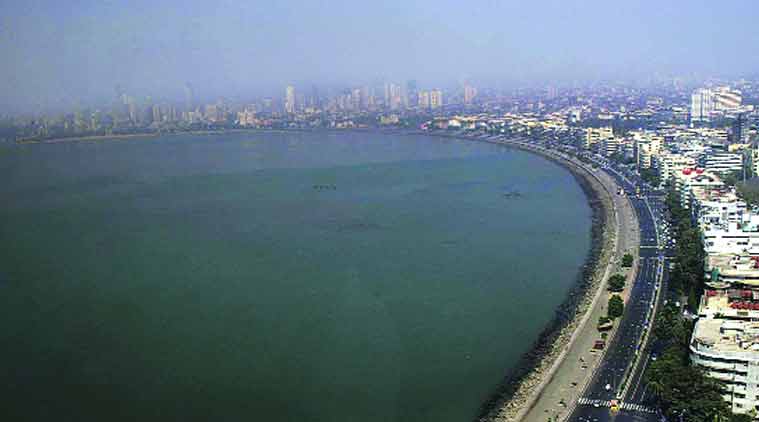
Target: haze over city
56,54
418,211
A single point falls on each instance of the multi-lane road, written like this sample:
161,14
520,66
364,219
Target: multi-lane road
618,388
620,376
619,380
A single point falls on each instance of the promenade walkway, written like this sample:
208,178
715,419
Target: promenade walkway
562,391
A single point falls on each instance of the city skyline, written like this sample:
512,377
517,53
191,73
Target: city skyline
57,55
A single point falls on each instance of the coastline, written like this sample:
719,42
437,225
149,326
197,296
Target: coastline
521,385
126,136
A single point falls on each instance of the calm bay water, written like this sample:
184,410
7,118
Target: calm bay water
276,277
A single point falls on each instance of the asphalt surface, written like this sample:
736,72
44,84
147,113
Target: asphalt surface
628,346
629,353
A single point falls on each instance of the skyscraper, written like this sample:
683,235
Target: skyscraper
726,99
424,100
469,93
701,105
290,99
393,96
411,92
436,99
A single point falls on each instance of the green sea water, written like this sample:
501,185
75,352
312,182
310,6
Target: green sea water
276,276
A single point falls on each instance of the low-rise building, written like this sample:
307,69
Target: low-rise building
722,163
690,181
728,350
595,136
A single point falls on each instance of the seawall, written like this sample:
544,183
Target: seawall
521,385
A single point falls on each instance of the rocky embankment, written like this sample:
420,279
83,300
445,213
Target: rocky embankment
519,387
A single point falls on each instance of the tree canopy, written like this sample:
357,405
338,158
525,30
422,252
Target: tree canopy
627,260
616,307
616,283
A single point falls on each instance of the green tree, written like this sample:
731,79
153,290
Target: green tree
616,307
692,300
749,190
679,387
627,260
742,417
616,283
650,176
732,178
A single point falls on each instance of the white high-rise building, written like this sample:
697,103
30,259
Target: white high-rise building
424,100
701,105
469,93
436,99
290,100
726,99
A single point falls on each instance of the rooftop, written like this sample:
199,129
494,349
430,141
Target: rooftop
737,339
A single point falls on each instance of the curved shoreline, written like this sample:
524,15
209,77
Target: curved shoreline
522,384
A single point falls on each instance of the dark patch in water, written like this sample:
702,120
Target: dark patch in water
358,226
513,195
346,225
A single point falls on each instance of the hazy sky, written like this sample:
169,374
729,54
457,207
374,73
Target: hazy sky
56,51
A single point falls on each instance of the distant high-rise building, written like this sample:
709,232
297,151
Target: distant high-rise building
355,98
436,99
412,94
156,111
211,113
267,104
469,93
701,105
314,100
424,100
132,108
364,97
394,97
290,99
726,99
705,102
739,134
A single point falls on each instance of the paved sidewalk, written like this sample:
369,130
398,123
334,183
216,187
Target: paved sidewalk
560,394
